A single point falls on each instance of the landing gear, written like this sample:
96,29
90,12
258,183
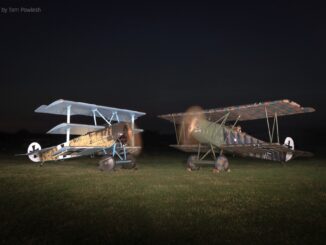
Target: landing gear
191,166
107,163
131,164
221,164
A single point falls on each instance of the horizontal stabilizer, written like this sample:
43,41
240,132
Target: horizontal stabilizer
303,154
33,152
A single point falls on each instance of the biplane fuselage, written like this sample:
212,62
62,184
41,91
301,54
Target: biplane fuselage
205,131
221,136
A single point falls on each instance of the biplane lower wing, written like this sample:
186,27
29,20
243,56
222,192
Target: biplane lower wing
194,148
267,151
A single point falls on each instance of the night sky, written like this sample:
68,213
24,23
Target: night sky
161,57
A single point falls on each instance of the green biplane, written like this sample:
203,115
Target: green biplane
205,132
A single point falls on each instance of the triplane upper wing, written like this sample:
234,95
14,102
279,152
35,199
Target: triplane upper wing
64,107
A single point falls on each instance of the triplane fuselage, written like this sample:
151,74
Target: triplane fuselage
115,140
205,132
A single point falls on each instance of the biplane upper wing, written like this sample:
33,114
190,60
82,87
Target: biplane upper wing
60,107
247,112
269,151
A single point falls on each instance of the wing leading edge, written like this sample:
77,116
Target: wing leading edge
59,107
247,112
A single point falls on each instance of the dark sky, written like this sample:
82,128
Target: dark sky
160,57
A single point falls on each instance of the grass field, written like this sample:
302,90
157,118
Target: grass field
258,202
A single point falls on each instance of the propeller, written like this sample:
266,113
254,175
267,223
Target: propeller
189,125
131,138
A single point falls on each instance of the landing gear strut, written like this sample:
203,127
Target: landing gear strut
220,163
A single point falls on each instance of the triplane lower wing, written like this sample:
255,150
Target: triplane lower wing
205,132
115,140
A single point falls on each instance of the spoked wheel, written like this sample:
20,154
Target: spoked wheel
221,164
132,164
107,164
191,166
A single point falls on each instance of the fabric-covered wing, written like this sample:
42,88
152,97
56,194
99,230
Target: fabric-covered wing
268,151
59,107
75,129
86,151
77,151
193,148
247,112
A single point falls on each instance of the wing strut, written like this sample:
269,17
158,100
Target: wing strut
68,121
275,125
103,117
132,130
116,117
94,116
175,129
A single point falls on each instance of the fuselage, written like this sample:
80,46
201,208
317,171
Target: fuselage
207,132
104,138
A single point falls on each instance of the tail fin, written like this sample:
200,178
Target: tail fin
34,148
289,142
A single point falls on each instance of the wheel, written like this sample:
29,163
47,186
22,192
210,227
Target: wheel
190,163
107,164
221,163
130,165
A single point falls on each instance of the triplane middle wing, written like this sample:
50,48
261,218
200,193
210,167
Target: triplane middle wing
207,132
115,139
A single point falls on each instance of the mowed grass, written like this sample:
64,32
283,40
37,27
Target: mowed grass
258,202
